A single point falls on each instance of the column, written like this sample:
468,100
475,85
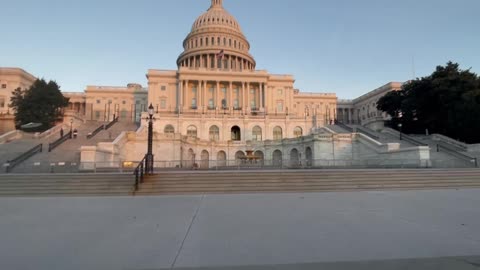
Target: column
185,95
248,94
180,95
230,97
217,95
242,98
261,95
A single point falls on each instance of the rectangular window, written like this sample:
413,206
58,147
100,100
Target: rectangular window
124,102
235,103
210,90
98,101
4,85
279,106
280,92
224,90
163,104
210,104
163,88
97,115
252,91
2,102
194,103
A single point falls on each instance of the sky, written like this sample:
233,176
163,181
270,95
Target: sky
347,47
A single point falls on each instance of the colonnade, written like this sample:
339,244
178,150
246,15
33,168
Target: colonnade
212,95
212,61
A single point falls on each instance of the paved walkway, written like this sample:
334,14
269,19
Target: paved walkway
278,231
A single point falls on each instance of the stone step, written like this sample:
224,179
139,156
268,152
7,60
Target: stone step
301,189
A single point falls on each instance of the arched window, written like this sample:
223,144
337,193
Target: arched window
214,133
218,41
257,133
169,129
277,133
192,131
213,41
297,132
224,41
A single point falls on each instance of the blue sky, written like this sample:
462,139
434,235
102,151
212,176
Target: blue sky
346,47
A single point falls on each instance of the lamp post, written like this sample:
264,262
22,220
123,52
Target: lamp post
149,156
71,128
400,129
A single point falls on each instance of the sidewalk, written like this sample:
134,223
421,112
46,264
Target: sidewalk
285,231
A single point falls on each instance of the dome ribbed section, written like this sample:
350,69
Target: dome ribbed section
216,41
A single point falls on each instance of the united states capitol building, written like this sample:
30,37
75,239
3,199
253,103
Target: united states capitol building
217,108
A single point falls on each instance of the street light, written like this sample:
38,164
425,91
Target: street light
400,129
149,156
71,128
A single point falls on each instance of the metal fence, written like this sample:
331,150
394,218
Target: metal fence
238,165
58,142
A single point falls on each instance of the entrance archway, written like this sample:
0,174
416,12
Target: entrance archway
294,158
309,156
240,157
277,158
259,157
205,157
221,158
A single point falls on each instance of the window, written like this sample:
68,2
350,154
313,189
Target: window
214,133
279,106
169,129
97,115
98,101
235,104
257,134
192,131
194,103
124,102
297,132
2,102
277,133
210,103
280,92
163,104
163,88
4,85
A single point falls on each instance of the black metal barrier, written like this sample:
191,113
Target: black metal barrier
109,125
472,160
58,142
140,172
95,132
14,162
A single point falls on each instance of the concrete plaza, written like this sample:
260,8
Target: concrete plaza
261,231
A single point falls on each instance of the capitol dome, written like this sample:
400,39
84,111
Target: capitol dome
216,41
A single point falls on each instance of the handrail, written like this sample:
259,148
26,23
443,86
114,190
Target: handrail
342,125
95,132
412,140
139,172
458,154
14,162
58,142
109,125
368,133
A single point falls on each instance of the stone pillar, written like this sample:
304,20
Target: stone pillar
230,97
262,86
186,95
217,95
248,95
180,95
242,98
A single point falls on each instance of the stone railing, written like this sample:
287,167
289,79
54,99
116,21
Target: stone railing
10,136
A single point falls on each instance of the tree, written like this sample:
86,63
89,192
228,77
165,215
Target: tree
41,103
445,102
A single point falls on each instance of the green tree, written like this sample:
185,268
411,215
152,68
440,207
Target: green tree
445,102
41,103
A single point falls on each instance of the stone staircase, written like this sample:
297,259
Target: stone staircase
306,181
26,185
